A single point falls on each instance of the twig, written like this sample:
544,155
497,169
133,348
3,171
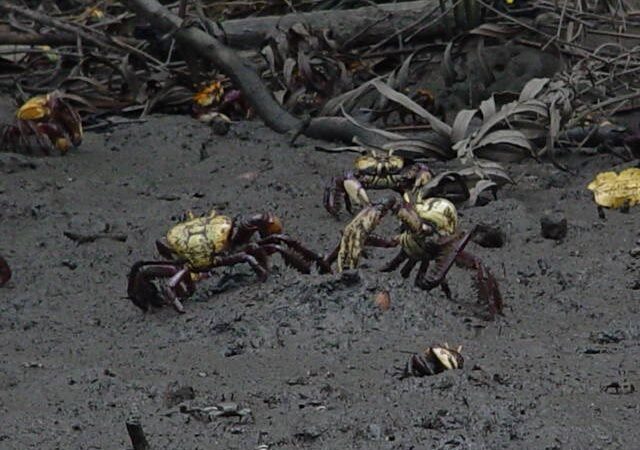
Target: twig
90,35
86,238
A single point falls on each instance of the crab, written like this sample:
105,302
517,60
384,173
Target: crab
197,245
432,361
50,120
5,272
380,171
430,232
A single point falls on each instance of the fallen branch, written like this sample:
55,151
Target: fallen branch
356,27
245,78
12,38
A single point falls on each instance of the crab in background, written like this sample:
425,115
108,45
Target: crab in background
196,246
430,232
382,170
48,121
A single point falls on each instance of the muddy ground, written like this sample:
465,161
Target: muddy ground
310,355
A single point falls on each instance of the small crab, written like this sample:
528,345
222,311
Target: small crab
432,361
197,245
379,171
50,120
5,272
430,232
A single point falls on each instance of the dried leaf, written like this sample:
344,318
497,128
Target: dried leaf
533,87
488,108
479,188
460,129
613,190
508,137
437,125
448,69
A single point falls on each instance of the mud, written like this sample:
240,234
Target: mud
311,356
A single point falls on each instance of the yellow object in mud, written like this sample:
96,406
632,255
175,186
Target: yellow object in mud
613,190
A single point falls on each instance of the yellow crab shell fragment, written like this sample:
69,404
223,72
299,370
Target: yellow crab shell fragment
439,211
613,190
35,108
198,239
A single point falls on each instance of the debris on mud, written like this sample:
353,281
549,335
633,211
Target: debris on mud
553,225
617,190
220,410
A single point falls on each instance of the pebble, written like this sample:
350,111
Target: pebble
635,252
553,226
489,236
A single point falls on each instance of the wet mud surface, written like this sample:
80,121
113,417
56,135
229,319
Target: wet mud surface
311,356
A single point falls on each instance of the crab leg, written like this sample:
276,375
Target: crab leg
297,247
395,262
485,282
445,261
290,257
140,289
333,195
242,257
5,271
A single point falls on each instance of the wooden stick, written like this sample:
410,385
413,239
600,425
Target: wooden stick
136,434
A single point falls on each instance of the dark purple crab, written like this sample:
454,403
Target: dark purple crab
196,246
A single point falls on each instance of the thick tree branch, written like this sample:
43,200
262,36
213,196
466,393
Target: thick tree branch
246,79
357,26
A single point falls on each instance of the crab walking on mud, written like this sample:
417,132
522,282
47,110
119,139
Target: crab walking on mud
196,246
50,120
430,232
387,171
5,271
373,171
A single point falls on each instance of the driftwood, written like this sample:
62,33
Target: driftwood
359,26
136,434
245,78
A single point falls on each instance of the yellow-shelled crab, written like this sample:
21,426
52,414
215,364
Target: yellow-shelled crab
379,170
429,232
197,245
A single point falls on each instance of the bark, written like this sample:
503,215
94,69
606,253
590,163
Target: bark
357,26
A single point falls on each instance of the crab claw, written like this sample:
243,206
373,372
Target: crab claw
5,271
355,192
356,233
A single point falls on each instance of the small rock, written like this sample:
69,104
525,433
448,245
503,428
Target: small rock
176,394
383,300
350,278
635,252
374,432
553,226
489,236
